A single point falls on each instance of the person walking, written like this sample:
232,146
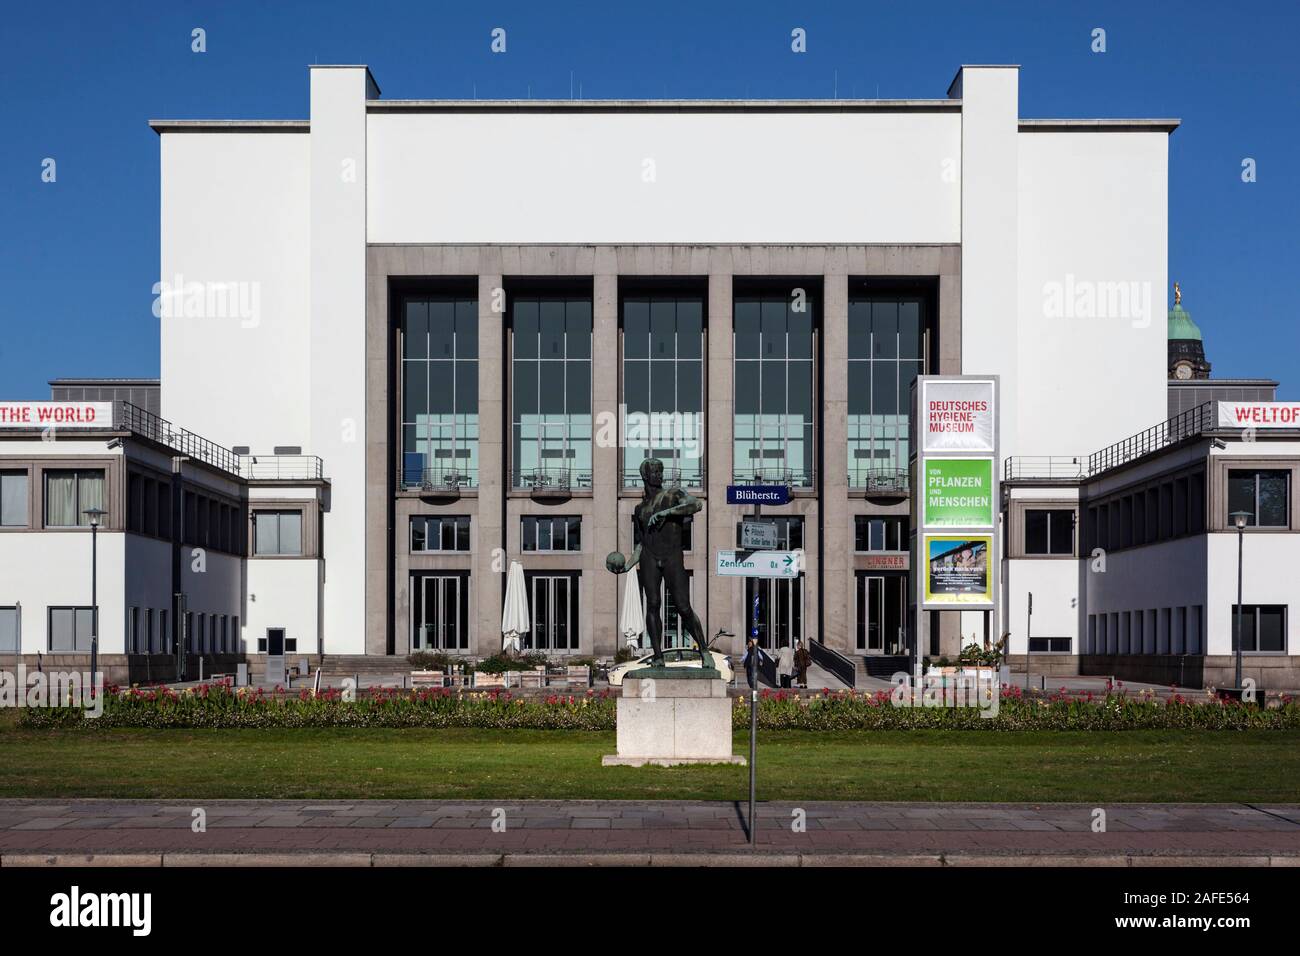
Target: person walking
802,661
785,665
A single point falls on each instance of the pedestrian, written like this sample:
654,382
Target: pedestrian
785,665
802,661
750,662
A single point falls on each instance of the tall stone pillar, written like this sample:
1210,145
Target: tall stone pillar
837,543
718,436
606,473
490,563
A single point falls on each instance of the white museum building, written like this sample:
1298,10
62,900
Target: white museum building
405,343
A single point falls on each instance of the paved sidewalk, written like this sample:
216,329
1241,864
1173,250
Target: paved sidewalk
34,832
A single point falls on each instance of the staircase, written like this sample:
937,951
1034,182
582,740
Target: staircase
883,667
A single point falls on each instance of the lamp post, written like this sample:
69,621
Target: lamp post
1239,519
95,515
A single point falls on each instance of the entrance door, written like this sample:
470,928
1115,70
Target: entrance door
439,613
881,619
554,613
779,613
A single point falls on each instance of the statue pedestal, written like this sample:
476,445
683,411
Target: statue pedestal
667,721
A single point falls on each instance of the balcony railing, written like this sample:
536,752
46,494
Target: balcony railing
281,467
445,478
773,475
682,477
880,481
558,480
1056,468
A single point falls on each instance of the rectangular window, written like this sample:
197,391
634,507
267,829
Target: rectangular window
1263,495
439,392
69,495
9,630
71,629
1049,645
550,391
551,533
663,386
13,499
439,533
1263,628
1050,531
277,532
886,340
872,533
774,394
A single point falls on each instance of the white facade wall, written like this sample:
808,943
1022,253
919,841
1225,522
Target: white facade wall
658,176
1269,562
236,210
283,592
52,569
1093,220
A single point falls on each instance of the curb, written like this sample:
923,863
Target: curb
577,859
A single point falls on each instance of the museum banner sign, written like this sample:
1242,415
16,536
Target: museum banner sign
957,415
1259,414
958,570
56,415
958,493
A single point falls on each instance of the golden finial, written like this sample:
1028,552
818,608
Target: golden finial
1178,295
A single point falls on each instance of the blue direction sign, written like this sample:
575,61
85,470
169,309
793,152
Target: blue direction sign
758,494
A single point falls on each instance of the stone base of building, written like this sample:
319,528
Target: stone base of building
124,670
666,721
1194,670
1053,665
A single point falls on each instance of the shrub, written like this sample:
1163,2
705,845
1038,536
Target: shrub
218,706
500,663
429,661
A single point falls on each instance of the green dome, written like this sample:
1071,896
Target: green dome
1181,325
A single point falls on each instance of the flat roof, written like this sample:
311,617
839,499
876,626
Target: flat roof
104,381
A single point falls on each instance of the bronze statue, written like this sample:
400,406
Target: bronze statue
658,519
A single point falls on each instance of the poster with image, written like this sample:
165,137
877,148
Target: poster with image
957,570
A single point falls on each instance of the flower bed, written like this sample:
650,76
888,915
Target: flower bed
218,706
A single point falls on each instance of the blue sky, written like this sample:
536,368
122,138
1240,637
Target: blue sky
78,81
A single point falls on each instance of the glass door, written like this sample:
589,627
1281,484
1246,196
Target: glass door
882,614
779,612
554,612
439,613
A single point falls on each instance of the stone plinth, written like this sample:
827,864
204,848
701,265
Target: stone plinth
666,721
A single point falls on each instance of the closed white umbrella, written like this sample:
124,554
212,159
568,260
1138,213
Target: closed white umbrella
631,620
514,617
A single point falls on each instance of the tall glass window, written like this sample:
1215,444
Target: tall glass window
885,356
773,390
550,391
663,386
439,392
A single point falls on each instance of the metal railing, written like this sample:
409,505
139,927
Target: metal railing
445,478
1189,424
551,479
281,467
681,477
1060,468
880,481
773,476
148,425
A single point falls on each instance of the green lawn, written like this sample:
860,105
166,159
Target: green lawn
886,765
